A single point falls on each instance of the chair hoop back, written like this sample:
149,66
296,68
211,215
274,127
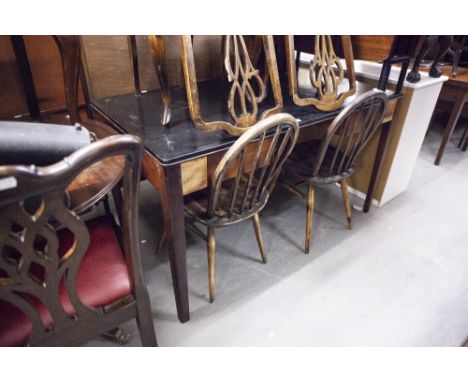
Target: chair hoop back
349,133
257,158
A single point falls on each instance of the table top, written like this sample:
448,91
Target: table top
181,141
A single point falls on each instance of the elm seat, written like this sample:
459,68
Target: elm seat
302,159
64,281
102,279
197,204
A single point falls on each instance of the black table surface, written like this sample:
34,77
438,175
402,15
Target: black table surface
181,140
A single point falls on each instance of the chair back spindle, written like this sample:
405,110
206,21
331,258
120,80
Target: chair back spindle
349,133
257,157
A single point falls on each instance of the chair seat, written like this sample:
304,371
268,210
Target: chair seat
196,204
102,279
302,159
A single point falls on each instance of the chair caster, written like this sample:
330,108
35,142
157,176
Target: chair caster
120,336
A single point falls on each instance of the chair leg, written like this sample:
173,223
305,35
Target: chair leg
310,212
162,241
258,234
145,319
211,262
347,203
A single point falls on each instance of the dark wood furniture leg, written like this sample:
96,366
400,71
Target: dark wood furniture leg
173,209
26,76
448,131
378,162
134,60
428,44
444,43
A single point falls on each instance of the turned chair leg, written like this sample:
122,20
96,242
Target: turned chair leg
347,203
310,212
211,261
258,234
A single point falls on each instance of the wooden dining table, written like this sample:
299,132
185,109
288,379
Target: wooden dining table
179,159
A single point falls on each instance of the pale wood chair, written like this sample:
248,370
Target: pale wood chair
242,182
333,159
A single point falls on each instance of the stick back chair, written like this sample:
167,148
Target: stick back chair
333,159
64,281
104,175
242,182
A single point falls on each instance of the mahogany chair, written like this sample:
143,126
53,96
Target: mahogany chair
333,159
64,281
104,176
242,182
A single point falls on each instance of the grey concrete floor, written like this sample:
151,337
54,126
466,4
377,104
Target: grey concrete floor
400,277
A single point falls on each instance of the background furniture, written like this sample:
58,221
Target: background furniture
398,143
242,181
458,47
442,43
109,71
64,281
454,91
333,159
98,180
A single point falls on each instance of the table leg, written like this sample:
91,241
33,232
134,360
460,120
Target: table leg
448,131
173,209
378,162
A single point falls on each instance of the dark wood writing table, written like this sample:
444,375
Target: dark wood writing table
179,159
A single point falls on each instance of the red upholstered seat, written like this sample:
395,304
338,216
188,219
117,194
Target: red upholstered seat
102,278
